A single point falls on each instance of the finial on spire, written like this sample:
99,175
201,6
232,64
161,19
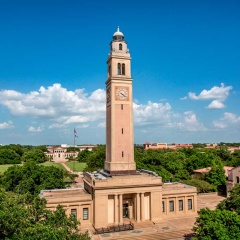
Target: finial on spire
118,29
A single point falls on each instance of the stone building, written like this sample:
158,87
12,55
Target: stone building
119,192
60,153
233,178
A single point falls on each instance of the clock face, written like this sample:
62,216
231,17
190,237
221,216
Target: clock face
122,93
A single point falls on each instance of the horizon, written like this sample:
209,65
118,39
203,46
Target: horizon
185,70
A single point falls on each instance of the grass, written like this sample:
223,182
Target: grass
4,167
58,165
76,166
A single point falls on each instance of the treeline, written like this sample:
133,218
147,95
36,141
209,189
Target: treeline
16,154
176,165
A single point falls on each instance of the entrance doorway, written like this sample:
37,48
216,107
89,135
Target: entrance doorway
125,210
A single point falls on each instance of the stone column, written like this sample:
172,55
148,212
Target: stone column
120,209
167,206
142,206
186,204
115,209
138,207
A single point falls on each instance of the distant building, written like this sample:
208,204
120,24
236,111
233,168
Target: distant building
201,171
233,178
58,153
173,146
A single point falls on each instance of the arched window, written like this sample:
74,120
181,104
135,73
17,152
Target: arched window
120,46
123,69
119,69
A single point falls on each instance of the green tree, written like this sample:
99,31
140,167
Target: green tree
9,156
96,159
36,155
82,155
232,203
217,224
21,220
32,178
201,185
216,176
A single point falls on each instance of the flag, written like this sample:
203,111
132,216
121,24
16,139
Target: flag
75,133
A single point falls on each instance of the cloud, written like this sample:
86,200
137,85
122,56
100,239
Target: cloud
190,122
6,125
183,98
102,124
227,120
214,93
152,113
35,129
216,104
56,104
59,108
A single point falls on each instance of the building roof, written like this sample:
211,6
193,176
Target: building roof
227,169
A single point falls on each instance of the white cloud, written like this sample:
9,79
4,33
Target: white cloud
152,113
220,125
6,125
35,129
56,104
214,93
56,125
102,124
231,117
183,98
216,104
191,123
83,126
227,120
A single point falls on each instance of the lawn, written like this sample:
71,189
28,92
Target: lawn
4,167
76,166
58,165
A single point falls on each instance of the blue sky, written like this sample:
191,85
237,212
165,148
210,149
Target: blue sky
185,66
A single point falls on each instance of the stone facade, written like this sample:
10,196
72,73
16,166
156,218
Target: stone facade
233,178
119,192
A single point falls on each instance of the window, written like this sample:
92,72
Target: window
163,206
171,206
119,69
85,213
74,212
121,106
237,179
120,46
109,70
123,69
122,154
122,130
180,204
189,204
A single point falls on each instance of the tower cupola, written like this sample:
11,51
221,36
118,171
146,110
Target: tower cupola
118,36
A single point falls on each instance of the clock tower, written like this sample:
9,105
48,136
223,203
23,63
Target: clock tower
119,110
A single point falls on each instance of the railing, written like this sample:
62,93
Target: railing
114,228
